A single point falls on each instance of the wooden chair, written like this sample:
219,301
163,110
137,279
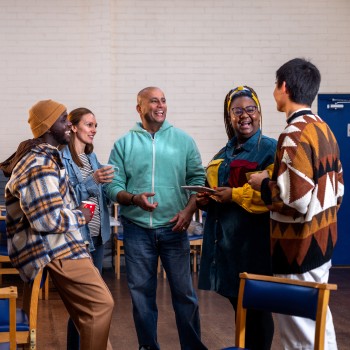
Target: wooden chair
26,317
4,257
5,262
196,249
8,298
44,290
119,250
284,296
118,240
196,238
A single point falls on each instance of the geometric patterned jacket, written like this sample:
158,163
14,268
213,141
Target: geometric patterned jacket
304,195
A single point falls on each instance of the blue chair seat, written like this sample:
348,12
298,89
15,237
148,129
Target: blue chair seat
119,236
3,250
195,237
22,322
5,346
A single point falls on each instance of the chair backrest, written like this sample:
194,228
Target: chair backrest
8,298
284,296
31,298
3,181
3,238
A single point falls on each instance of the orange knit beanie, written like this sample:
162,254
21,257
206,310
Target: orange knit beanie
43,115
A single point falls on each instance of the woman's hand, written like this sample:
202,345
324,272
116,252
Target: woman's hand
223,194
202,199
104,174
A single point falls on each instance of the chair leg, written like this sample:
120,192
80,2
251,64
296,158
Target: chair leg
44,291
159,268
46,287
195,260
117,263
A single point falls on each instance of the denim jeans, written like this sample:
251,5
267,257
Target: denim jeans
142,248
73,341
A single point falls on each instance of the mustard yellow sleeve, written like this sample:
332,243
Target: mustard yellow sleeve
212,172
250,199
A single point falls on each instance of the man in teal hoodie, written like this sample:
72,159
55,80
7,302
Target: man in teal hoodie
155,159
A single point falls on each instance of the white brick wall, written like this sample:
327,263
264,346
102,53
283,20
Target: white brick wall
100,53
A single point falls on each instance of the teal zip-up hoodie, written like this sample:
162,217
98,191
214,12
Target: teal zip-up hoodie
162,165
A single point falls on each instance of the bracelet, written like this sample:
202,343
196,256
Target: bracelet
132,199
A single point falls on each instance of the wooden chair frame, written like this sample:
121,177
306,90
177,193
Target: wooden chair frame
118,243
11,294
284,296
5,259
196,243
30,308
196,249
44,292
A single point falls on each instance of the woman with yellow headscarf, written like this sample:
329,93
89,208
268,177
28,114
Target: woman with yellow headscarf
236,232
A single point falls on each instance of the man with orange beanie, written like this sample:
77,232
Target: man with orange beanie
43,220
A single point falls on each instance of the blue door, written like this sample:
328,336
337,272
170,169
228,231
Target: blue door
335,110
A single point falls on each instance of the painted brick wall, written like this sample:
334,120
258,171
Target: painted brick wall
99,54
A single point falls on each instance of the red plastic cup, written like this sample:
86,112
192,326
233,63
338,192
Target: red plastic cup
90,205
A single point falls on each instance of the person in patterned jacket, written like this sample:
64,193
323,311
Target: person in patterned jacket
43,220
303,194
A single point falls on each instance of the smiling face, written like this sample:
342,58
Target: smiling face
245,125
152,108
59,133
85,131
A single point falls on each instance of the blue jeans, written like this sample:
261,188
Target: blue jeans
73,340
142,248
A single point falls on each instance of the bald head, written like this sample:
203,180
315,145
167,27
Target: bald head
145,92
151,105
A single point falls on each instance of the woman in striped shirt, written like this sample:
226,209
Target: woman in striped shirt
87,176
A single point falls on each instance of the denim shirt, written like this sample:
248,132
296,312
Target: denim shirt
85,189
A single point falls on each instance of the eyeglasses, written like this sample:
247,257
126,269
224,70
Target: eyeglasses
238,111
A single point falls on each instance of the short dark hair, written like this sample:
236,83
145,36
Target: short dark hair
302,80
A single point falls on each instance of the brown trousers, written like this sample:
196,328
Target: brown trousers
87,299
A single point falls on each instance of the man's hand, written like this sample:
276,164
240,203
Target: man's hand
183,218
142,201
86,212
255,180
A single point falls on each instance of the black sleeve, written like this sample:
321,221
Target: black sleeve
266,192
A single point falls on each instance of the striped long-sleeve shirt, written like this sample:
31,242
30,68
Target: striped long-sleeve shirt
42,222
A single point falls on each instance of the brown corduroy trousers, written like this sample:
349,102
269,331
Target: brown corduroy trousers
87,299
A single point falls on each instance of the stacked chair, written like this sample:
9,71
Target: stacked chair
195,236
8,298
5,264
26,317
